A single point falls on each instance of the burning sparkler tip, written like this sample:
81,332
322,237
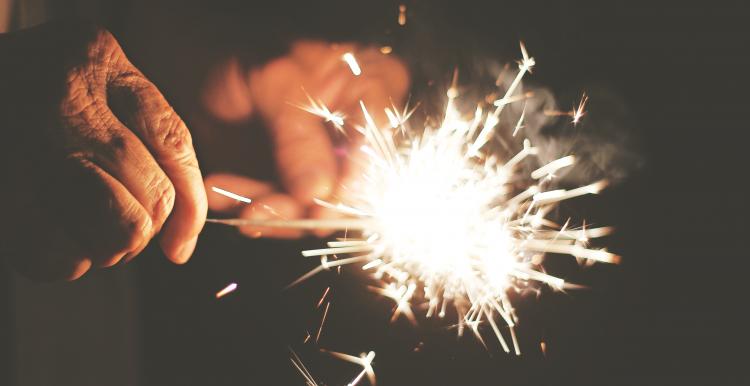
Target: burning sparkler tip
442,222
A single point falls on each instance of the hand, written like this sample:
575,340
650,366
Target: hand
305,145
96,162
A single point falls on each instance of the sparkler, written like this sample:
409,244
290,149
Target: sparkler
443,223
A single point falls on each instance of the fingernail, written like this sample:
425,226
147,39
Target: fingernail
184,253
131,255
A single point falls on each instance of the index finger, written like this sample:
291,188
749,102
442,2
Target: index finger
164,133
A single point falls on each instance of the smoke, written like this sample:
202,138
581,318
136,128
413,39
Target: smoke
603,141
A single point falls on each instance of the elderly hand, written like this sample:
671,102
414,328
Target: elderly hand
311,161
95,161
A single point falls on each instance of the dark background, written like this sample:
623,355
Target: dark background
672,313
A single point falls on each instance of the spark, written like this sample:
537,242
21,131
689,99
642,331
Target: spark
297,363
226,290
402,15
576,114
550,168
579,112
231,195
352,62
318,108
323,297
524,65
442,223
322,322
364,360
519,124
385,50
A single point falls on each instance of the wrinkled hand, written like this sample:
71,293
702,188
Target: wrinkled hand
311,162
96,162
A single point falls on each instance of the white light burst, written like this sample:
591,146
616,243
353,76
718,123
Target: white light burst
440,222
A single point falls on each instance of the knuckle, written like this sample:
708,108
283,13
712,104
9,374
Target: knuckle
163,192
103,47
103,36
175,137
138,231
80,97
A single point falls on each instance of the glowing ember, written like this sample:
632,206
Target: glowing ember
576,114
226,290
402,15
322,322
323,297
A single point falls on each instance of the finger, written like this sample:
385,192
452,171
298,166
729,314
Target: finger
391,72
319,58
304,154
273,206
243,186
376,95
353,164
226,93
118,151
168,139
98,211
302,147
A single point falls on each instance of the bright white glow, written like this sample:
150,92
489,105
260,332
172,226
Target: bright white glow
231,195
441,222
226,290
352,62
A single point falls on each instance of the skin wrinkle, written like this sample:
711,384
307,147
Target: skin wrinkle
121,179
163,189
137,226
174,134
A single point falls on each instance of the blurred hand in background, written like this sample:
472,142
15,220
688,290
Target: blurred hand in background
312,156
